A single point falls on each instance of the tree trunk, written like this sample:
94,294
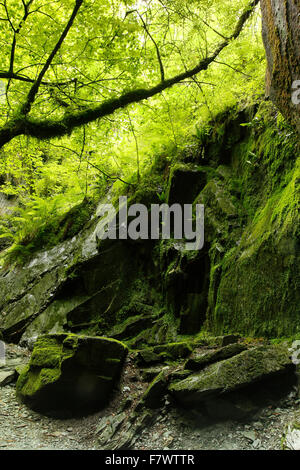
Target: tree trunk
281,35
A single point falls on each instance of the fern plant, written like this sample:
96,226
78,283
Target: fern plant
31,227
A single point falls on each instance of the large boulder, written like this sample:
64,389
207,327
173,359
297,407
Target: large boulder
281,35
71,373
229,375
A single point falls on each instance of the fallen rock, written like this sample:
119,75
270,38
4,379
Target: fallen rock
229,375
108,426
70,373
200,361
131,431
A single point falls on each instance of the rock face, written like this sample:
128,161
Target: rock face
73,373
73,286
148,292
281,35
229,375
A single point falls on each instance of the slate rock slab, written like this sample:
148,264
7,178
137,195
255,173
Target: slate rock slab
231,374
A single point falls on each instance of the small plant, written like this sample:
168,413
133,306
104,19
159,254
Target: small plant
201,134
162,196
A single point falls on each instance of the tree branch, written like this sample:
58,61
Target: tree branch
14,41
24,78
161,67
35,87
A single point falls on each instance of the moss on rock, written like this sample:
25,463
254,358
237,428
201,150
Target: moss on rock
229,375
74,373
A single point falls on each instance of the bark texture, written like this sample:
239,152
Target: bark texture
281,35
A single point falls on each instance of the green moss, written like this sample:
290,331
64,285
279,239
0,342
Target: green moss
254,279
240,370
50,358
61,363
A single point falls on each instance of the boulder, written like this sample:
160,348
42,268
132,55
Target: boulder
71,373
231,374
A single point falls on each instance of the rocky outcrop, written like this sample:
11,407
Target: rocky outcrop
281,35
259,285
76,285
70,373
